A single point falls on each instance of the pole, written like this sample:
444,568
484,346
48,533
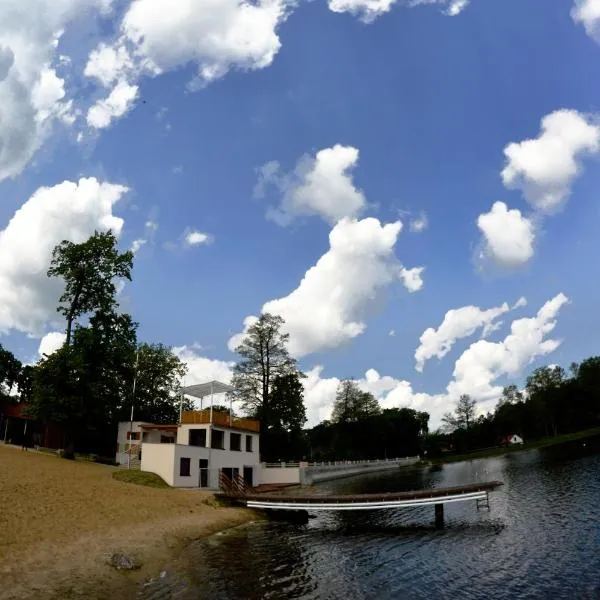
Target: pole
137,356
211,401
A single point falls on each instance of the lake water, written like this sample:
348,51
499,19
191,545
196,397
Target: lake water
541,539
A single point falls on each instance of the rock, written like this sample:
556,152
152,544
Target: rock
122,561
163,574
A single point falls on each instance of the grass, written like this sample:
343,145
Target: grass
501,451
140,478
59,519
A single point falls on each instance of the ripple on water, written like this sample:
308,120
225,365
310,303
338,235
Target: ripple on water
541,539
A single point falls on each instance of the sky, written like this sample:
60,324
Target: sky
411,184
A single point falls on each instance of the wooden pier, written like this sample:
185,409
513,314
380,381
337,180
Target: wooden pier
479,492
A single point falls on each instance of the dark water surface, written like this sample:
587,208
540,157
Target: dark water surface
541,539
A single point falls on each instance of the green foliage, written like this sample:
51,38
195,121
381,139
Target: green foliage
10,368
267,380
463,416
89,271
390,433
140,478
352,404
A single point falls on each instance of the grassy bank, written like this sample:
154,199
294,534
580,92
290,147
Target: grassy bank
60,520
501,451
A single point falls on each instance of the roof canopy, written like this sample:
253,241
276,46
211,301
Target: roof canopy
201,390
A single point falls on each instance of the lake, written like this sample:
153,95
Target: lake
541,539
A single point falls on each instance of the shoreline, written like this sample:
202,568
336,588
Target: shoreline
79,569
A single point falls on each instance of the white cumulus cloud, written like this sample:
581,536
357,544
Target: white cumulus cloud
157,36
33,98
420,223
51,342
321,185
508,237
328,307
451,8
484,362
196,238
544,168
69,210
458,323
587,12
366,10
118,102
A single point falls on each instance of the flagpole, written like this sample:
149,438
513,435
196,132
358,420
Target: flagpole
137,356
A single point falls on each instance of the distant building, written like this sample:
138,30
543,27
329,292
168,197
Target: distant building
17,427
512,439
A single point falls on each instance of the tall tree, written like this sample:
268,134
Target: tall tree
287,402
351,404
463,416
89,270
264,357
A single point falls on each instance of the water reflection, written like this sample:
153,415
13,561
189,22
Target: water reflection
541,539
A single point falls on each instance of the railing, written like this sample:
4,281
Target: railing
335,463
233,486
202,417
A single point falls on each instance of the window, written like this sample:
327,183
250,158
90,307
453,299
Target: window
197,437
133,435
217,439
184,467
167,439
235,441
248,443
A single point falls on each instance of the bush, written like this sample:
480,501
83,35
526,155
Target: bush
140,478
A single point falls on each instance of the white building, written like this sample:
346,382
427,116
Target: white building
512,439
194,452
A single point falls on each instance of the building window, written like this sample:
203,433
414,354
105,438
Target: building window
248,443
167,439
197,437
184,467
235,441
217,439
133,435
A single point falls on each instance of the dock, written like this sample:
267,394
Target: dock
478,492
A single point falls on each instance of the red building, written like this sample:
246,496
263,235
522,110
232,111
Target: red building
18,428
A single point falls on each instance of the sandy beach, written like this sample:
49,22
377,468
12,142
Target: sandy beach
60,520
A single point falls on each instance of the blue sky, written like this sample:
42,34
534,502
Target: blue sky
367,119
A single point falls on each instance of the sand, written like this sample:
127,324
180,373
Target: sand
60,520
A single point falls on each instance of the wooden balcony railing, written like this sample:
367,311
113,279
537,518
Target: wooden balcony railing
202,417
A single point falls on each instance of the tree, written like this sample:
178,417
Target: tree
158,384
264,358
463,416
25,383
351,404
10,367
287,402
511,395
89,270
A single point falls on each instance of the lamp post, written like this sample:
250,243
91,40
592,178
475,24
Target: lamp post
137,356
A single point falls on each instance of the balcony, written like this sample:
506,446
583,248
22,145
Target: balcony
202,417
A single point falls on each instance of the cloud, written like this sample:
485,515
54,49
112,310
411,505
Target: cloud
196,238
458,323
156,36
544,168
118,102
150,229
321,185
33,98
420,223
366,10
328,307
69,210
475,372
202,369
507,236
484,362
51,342
587,12
452,8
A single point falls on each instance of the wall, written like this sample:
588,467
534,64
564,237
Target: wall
160,459
269,475
316,473
122,441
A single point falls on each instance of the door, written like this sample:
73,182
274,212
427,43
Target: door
248,474
203,473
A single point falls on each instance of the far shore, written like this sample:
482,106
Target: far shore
61,520
503,450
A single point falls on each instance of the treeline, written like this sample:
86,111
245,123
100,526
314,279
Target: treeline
87,385
552,403
359,429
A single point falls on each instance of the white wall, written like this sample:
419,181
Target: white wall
279,475
122,441
160,459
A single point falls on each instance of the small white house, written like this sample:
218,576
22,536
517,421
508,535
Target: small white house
512,439
193,453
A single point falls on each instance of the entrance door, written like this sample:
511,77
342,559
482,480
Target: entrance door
248,474
203,472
